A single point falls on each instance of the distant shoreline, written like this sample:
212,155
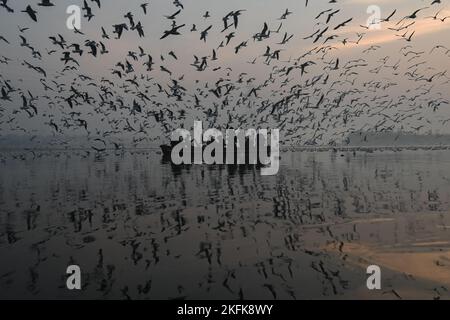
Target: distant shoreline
283,149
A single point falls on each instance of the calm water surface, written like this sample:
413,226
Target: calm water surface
143,229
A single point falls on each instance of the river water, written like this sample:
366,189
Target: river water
140,228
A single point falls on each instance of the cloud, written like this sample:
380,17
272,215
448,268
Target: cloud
377,37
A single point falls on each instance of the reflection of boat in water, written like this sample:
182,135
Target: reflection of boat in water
167,152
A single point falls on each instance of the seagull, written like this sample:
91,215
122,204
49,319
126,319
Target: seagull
285,15
45,3
31,13
173,31
144,7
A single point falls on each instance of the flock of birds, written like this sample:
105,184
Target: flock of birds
317,96
314,97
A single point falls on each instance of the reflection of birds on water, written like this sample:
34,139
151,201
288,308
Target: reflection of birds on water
392,291
107,223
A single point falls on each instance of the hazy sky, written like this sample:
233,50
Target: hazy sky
365,83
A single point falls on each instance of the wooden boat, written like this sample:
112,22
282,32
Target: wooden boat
167,152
